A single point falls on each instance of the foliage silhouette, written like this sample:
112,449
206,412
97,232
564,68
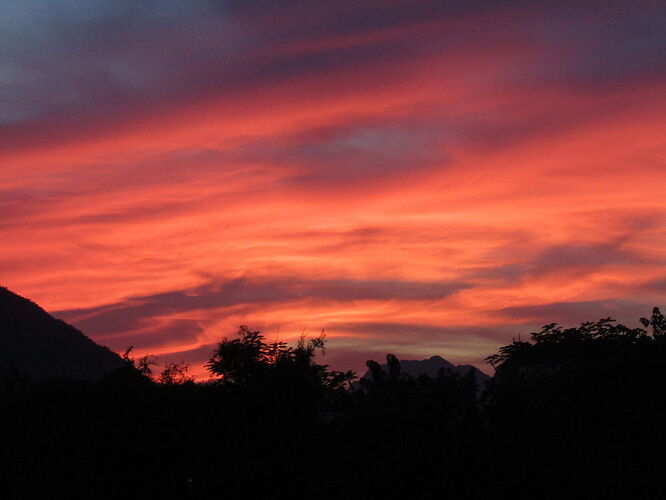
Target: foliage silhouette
592,395
572,412
175,374
249,360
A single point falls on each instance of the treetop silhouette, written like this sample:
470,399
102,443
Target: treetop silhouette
557,346
249,360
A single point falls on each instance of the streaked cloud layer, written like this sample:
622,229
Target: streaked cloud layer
413,177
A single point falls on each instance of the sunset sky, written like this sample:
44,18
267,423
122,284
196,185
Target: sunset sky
416,177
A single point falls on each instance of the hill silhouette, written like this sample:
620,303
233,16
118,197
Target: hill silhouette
35,344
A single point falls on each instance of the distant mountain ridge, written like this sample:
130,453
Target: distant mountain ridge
431,367
35,344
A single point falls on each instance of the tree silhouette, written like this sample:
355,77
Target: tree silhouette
133,371
248,360
570,412
244,359
658,323
581,405
175,374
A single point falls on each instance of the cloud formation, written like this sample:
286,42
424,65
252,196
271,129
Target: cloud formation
427,177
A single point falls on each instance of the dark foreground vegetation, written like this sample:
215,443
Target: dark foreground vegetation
572,413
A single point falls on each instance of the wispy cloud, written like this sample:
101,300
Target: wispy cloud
427,177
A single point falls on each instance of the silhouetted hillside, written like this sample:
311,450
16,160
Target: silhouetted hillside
35,344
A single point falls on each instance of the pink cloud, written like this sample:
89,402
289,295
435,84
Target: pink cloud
407,176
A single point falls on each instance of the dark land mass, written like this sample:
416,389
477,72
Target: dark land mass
431,367
36,345
571,413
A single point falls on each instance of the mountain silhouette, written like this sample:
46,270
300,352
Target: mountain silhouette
431,368
36,345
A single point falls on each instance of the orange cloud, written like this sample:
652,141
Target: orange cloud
424,187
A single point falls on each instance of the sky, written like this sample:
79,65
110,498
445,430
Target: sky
414,177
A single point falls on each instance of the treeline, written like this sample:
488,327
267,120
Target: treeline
571,413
